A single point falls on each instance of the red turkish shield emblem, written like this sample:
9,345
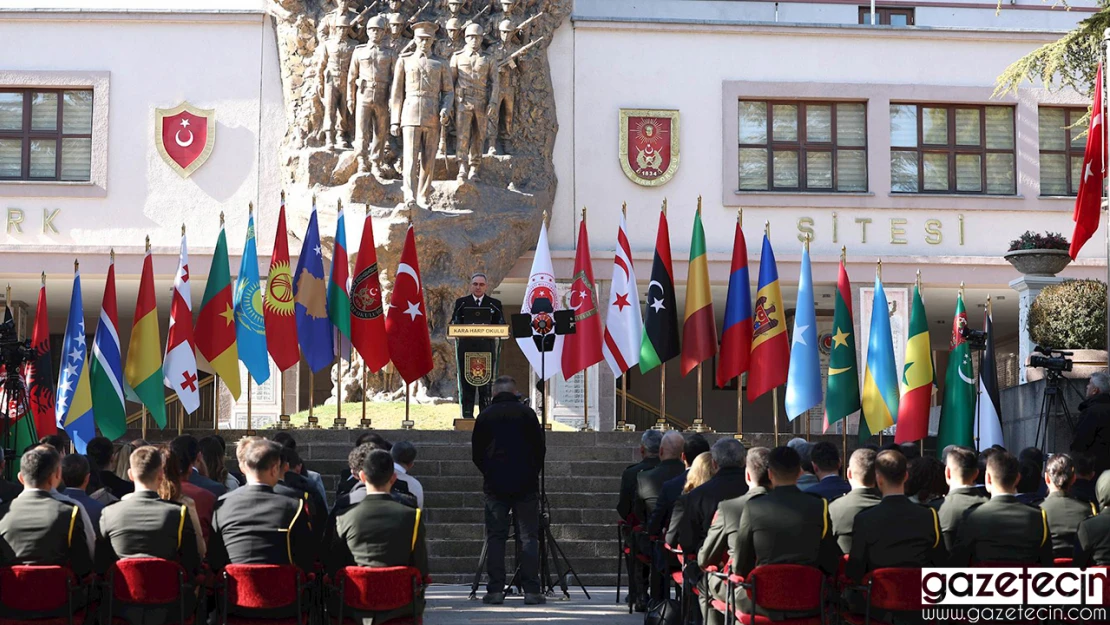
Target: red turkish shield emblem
185,136
649,145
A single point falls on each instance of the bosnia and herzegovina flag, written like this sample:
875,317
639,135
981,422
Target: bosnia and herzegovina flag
803,383
143,370
310,297
73,407
917,377
880,377
699,326
736,338
660,342
250,322
770,344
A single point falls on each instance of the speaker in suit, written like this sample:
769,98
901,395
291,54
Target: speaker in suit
476,299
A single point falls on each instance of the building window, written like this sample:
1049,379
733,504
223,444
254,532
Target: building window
803,146
940,148
46,134
1062,147
885,16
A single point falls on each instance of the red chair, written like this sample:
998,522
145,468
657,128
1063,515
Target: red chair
366,589
1062,562
43,595
891,590
784,588
148,583
270,593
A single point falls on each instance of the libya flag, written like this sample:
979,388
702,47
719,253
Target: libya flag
957,413
842,396
660,342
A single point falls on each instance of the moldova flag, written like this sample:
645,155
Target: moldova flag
215,329
880,376
143,370
660,342
770,344
917,377
310,294
736,340
699,326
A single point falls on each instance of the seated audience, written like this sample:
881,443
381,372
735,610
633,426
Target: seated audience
925,481
826,465
649,459
347,481
75,480
1083,488
694,445
172,488
700,503
187,450
700,472
123,457
404,457
1092,544
1063,513
649,483
864,494
961,471
99,451
804,449
213,454
286,440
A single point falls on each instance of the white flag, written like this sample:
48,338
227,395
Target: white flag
623,324
541,300
180,365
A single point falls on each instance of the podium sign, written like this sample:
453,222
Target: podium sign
467,331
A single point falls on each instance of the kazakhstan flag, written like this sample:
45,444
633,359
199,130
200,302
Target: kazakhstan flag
880,379
250,327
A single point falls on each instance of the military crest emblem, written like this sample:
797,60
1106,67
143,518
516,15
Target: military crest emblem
649,147
185,136
366,295
479,368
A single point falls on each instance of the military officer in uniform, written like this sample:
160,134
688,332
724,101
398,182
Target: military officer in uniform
1092,546
368,83
649,454
961,471
1064,514
421,104
864,494
474,74
445,48
480,348
1003,529
398,40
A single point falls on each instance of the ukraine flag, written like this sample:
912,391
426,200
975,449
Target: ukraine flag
880,378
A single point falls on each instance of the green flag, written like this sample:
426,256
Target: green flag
842,398
957,413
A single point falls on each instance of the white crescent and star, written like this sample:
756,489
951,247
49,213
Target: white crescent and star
658,303
405,268
180,143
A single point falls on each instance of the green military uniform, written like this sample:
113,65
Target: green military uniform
955,506
379,532
896,533
145,526
628,485
1064,515
843,513
715,549
37,529
1003,530
1093,541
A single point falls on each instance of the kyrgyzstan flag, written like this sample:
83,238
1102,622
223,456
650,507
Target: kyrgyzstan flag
406,324
278,309
583,348
367,318
1088,203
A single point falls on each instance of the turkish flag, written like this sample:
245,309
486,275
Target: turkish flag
406,323
583,348
1088,204
367,320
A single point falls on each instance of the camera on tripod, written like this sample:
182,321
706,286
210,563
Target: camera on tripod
975,339
1053,361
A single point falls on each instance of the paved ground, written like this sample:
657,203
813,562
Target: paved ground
448,605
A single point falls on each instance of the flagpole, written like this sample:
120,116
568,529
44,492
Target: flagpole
661,424
364,423
311,398
879,274
407,423
921,443
250,422
216,403
585,400
740,377
144,420
807,412
844,420
623,424
1106,80
775,400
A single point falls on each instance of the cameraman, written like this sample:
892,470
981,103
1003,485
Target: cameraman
1092,434
508,448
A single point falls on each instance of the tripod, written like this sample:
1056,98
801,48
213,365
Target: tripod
1053,402
15,403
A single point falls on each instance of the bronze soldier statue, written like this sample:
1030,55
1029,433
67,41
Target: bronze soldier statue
474,74
444,48
339,44
368,84
504,100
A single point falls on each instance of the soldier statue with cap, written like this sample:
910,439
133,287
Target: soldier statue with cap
368,85
446,46
397,38
504,99
422,99
474,74
339,44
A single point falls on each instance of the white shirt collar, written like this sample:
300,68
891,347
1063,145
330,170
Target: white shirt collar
478,299
399,469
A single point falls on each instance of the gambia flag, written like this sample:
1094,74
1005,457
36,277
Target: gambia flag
143,371
699,327
880,378
660,342
215,329
957,412
339,300
770,359
842,394
106,366
917,377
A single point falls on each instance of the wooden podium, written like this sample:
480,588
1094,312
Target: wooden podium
456,331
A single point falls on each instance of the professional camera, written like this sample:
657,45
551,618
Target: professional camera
976,339
1052,360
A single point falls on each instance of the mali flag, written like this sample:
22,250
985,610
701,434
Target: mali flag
699,327
957,413
143,370
770,344
215,329
842,395
917,377
660,342
880,377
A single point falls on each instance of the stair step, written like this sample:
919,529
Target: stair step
561,531
586,516
473,483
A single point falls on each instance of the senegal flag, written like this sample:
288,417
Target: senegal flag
957,413
699,328
143,370
880,377
215,329
842,396
660,342
917,377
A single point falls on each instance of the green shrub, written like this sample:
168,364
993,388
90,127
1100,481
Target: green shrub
1070,315
1035,241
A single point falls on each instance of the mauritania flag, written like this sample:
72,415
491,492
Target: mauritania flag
699,326
339,299
250,325
106,365
74,404
143,370
880,377
179,367
660,342
957,412
310,297
736,338
917,377
215,329
770,343
803,383
988,426
842,396
623,326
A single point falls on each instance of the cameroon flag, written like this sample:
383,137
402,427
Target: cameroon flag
957,413
215,329
143,370
660,342
917,377
699,327
842,396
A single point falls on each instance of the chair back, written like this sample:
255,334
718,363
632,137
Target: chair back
1062,562
262,586
378,589
43,589
787,587
895,589
146,581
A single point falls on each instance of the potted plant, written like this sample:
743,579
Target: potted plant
1035,254
1071,316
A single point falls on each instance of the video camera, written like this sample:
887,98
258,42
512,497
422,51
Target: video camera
1051,360
976,339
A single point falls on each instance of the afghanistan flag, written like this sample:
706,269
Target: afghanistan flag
917,377
40,385
106,365
281,324
339,301
143,370
736,338
880,377
699,327
770,344
215,329
957,412
842,395
660,342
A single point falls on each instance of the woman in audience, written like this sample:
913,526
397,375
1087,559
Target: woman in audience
925,483
213,453
170,490
700,472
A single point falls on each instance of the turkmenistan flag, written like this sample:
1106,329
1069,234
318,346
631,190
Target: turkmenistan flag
842,397
917,377
957,413
660,342
143,370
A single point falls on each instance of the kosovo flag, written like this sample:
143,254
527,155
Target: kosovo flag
310,294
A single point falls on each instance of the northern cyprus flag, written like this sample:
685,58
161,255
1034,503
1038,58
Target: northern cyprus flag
541,300
624,328
180,364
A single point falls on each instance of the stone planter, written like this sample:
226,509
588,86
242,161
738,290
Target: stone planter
1085,362
1039,262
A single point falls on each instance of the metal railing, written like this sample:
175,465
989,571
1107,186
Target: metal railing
643,415
204,418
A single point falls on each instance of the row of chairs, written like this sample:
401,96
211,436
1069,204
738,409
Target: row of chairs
53,595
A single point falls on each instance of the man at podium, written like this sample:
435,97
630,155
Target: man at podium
476,357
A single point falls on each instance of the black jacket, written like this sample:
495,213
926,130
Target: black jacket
1092,434
831,487
701,504
115,484
508,447
1003,530
660,519
628,485
896,533
254,525
9,490
649,486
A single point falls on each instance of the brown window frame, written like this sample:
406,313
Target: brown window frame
802,146
26,135
1071,116
952,149
883,15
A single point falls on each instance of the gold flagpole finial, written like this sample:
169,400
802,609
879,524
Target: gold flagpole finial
624,208
8,295
221,220
148,244
808,237
879,269
843,254
283,196
664,206
368,208
699,203
919,280
740,217
250,209
112,255
339,205
989,311
767,228
313,200
44,278
183,229
545,216
961,289
76,265
583,213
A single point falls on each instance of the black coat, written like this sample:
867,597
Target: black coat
1092,434
508,447
628,485
115,484
255,525
660,519
701,504
649,486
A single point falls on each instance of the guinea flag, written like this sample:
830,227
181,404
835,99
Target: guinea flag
917,377
699,326
215,329
660,342
770,360
957,412
143,369
842,394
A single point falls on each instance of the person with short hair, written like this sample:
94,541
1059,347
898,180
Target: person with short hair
961,471
805,449
659,521
1063,513
477,298
649,459
75,481
315,479
1092,539
404,457
1003,529
1084,487
293,484
187,450
825,458
694,517
348,480
99,451
864,495
1092,432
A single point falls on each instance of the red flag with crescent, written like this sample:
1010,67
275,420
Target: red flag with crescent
406,323
583,348
367,319
185,136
